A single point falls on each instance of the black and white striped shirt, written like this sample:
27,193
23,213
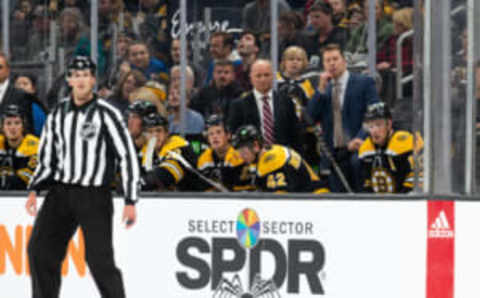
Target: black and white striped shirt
83,145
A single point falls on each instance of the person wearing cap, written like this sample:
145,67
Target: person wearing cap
83,141
171,157
387,156
279,169
18,150
220,161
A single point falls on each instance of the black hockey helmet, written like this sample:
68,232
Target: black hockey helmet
154,119
12,111
142,108
377,110
246,135
81,63
214,120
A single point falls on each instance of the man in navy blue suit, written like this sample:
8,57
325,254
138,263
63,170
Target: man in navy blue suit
339,105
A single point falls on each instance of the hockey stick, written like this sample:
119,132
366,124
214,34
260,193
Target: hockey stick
186,164
149,153
322,147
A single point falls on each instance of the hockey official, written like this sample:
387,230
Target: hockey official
83,140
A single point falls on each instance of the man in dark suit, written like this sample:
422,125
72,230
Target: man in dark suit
339,105
272,114
33,110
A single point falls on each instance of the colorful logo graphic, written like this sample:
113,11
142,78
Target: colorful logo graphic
248,228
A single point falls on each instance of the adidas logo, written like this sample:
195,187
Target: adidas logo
440,228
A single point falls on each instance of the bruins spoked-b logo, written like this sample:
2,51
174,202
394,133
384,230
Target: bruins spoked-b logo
88,131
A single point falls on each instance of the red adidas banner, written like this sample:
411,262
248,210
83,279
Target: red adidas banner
440,249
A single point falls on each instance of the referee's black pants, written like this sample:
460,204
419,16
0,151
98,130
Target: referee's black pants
65,208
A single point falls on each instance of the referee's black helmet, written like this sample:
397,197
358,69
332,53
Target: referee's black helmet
81,63
154,119
246,135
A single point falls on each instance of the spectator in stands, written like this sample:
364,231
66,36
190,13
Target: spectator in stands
72,30
193,121
220,161
20,27
82,6
272,114
18,150
175,52
153,21
387,55
279,169
324,32
256,15
28,84
387,155
221,48
175,77
119,64
356,18
140,58
33,110
339,9
167,173
111,12
39,40
357,42
248,48
126,85
216,98
290,26
175,60
339,105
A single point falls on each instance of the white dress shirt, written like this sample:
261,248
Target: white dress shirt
343,80
3,89
259,99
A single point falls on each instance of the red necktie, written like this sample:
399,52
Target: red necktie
267,122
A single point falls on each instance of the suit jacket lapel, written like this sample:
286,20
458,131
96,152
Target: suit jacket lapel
251,111
348,97
276,108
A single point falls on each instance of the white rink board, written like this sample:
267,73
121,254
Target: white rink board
467,249
373,249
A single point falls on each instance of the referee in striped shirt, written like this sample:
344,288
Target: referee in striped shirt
83,140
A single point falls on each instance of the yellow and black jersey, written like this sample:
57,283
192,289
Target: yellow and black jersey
17,164
170,171
231,171
305,91
281,169
390,169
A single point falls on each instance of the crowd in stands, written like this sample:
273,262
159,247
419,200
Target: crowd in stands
310,128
